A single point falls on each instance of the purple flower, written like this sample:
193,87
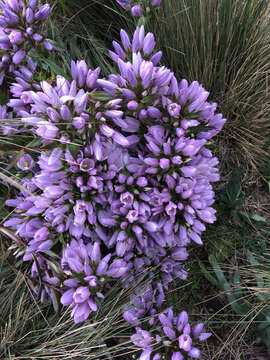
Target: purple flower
149,44
185,342
117,269
25,163
136,10
132,105
29,16
41,234
177,356
127,199
194,353
145,355
125,39
47,130
81,294
169,332
80,212
108,85
10,17
174,109
142,338
164,163
48,46
157,3
153,112
53,191
81,312
18,57
179,253
67,297
91,78
142,181
33,4
13,4
37,37
124,3
15,37
182,320
43,12
87,165
132,216
131,317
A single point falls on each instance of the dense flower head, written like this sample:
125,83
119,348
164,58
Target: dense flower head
162,193
21,28
174,332
68,192
62,103
89,275
149,94
123,181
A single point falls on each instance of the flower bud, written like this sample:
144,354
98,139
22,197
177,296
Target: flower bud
43,12
18,57
136,10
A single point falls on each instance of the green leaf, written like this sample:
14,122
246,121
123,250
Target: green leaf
55,300
233,188
34,143
257,217
239,306
54,67
73,149
3,98
207,274
100,95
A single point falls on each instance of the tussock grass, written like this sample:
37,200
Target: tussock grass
224,44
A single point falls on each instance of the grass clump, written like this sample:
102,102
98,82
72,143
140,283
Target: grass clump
224,45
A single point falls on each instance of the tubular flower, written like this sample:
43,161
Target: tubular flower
60,176
21,28
174,332
90,275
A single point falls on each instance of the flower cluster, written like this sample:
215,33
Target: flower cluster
122,183
138,9
84,262
20,31
174,333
